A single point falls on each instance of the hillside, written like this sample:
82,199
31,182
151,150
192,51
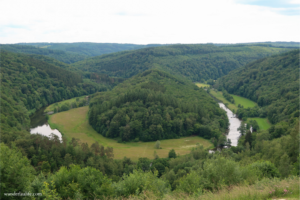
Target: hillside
154,105
293,45
195,62
60,55
27,84
273,83
90,49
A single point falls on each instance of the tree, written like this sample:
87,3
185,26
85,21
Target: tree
157,144
68,159
242,129
16,171
172,154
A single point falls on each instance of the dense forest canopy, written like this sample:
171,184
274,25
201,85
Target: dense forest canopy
155,105
60,55
90,49
272,82
71,52
195,62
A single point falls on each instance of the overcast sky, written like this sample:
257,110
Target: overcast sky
149,21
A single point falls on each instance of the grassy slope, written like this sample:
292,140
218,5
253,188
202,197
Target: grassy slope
263,123
243,101
74,123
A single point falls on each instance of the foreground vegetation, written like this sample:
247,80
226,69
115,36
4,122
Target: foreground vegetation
262,190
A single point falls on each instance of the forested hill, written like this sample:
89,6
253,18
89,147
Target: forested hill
272,82
71,52
155,105
60,55
294,45
28,84
196,62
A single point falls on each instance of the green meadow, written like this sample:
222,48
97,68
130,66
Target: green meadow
243,101
263,123
202,85
74,123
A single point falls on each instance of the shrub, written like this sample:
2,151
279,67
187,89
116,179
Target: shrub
139,181
266,169
157,145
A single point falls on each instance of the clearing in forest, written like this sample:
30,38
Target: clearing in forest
74,123
243,101
263,123
202,85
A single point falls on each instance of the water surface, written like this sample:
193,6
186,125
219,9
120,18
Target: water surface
234,124
39,124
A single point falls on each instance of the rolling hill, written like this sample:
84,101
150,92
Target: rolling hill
195,62
155,105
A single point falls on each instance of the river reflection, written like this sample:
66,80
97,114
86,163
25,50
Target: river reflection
235,123
39,125
46,131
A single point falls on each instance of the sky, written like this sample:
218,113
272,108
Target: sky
149,21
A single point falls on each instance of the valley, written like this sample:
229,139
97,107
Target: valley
138,120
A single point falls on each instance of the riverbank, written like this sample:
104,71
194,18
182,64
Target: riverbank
263,123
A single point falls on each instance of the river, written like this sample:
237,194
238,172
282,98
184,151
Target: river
234,124
39,124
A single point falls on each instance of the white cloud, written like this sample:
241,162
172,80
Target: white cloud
294,1
142,22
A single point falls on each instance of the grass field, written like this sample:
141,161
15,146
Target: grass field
263,123
202,85
74,123
243,101
52,106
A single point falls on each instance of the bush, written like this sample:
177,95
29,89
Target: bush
139,181
266,169
157,145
